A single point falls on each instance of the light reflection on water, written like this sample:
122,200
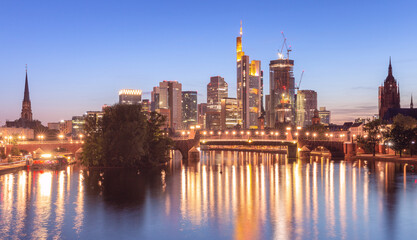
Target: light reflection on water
228,195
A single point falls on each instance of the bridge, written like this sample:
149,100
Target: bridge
254,140
46,146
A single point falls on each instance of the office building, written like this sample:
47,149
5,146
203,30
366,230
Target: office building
130,96
168,96
78,123
281,100
324,116
146,106
217,89
202,109
213,120
230,113
306,104
249,86
189,109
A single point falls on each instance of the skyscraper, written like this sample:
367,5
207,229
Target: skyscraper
389,94
305,107
202,109
324,116
166,99
217,89
281,99
249,86
130,96
189,109
230,113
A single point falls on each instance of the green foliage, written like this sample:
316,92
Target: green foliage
15,151
125,137
373,130
403,133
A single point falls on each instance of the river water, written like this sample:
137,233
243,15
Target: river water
228,195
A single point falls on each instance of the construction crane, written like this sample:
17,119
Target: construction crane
299,82
288,48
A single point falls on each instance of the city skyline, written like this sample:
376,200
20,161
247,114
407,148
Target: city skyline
73,70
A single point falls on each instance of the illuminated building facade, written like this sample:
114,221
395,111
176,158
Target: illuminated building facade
189,109
130,96
213,120
306,104
389,94
324,116
217,89
65,127
78,123
202,109
168,96
230,113
281,99
249,86
146,106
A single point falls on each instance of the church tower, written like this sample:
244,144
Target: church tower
389,93
26,105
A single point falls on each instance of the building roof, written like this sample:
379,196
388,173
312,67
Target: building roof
392,112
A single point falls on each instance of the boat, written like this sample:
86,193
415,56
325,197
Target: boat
48,161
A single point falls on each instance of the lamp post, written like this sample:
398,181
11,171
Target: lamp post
411,147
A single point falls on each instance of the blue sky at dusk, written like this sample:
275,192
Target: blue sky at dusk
80,53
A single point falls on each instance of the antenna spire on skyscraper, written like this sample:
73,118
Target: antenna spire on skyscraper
241,28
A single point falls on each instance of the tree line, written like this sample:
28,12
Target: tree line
125,137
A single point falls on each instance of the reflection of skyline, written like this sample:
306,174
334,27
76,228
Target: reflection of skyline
234,194
294,196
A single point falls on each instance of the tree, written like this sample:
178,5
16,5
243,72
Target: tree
402,135
373,135
125,137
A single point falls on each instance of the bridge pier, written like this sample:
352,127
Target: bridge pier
292,151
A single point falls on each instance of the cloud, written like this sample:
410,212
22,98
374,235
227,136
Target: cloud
349,114
363,88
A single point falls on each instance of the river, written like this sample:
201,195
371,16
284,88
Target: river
228,195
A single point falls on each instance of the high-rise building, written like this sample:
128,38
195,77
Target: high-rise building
189,109
146,105
282,99
168,96
324,116
249,86
202,109
130,96
213,120
65,127
306,104
78,123
389,94
230,113
217,89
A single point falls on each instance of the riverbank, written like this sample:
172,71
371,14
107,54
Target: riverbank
386,158
12,167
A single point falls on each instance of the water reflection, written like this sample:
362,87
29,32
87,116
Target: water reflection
227,195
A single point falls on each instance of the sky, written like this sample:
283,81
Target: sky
80,53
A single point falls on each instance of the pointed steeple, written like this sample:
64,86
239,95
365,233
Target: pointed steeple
26,97
26,105
390,67
411,103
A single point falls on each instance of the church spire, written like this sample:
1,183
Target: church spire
390,67
26,105
26,97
